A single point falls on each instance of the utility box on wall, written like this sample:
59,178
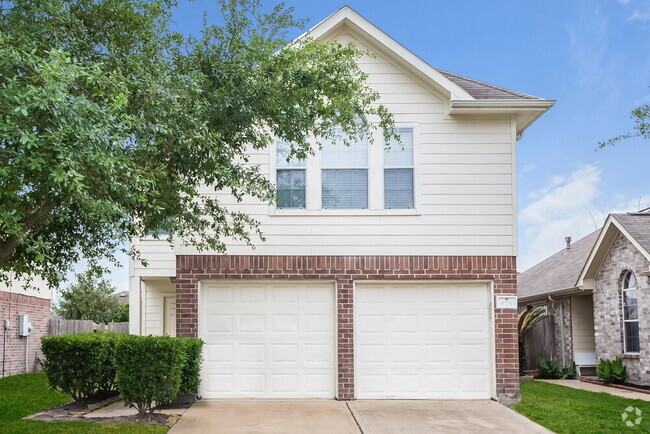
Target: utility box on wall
24,326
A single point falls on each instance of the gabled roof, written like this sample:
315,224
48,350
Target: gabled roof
481,90
557,273
570,270
465,96
635,226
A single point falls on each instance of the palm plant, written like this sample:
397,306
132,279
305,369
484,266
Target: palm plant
527,320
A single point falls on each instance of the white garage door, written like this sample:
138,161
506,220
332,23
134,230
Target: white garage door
268,340
424,341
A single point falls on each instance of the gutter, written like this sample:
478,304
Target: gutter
503,105
549,295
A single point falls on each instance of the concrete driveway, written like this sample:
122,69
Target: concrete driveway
369,417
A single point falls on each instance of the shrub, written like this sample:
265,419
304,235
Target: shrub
80,365
149,370
190,373
611,371
551,370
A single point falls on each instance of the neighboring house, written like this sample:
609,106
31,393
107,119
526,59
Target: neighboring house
122,296
598,295
18,353
381,268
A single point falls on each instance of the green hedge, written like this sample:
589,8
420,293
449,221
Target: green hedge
80,365
146,370
149,370
190,375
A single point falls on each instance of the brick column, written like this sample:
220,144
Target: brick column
345,308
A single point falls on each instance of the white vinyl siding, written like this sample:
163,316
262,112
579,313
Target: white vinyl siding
154,311
464,186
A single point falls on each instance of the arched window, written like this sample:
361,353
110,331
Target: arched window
630,295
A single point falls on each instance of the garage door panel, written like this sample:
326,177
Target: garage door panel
268,340
423,341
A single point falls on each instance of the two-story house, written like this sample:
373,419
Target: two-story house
382,267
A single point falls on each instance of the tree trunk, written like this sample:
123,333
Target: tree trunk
29,222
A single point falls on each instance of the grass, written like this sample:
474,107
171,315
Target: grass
566,410
22,395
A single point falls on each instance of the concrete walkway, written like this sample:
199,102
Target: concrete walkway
325,416
577,384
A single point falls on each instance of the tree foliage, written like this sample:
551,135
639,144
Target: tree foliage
112,126
90,298
641,117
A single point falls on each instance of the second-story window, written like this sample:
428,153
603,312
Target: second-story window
398,171
345,174
290,181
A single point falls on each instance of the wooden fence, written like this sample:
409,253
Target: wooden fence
60,326
538,343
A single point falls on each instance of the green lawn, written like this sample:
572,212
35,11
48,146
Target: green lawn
566,410
22,395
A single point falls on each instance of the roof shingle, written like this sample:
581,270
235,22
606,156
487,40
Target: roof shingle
557,272
482,90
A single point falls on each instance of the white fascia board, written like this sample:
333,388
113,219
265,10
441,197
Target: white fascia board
526,111
588,270
347,15
501,105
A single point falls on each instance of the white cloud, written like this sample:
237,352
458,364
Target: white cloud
569,206
624,2
640,15
563,208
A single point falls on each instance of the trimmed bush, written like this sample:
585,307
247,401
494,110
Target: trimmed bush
190,374
80,365
148,370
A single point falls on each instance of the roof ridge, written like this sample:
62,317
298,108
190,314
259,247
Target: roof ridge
493,86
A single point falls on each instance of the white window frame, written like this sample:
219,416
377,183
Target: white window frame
389,167
623,290
302,167
313,181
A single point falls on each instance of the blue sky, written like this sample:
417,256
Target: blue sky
592,56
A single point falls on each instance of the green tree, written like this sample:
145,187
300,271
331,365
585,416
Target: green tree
111,124
89,298
641,117
124,313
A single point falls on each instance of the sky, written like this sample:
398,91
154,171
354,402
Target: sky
593,57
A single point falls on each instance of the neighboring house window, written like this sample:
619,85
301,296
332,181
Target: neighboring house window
345,174
630,313
290,181
398,171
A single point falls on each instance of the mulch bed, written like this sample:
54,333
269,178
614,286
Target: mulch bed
74,412
625,386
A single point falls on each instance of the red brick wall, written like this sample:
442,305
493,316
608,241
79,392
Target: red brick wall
344,270
38,310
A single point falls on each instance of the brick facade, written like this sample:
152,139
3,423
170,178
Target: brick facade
608,321
344,271
38,309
